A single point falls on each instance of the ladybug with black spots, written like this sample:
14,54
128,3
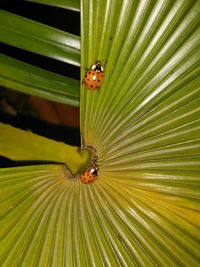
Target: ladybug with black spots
94,76
89,176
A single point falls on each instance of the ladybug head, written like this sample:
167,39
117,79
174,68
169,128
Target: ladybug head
98,66
93,171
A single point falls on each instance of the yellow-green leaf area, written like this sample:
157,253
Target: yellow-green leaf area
21,145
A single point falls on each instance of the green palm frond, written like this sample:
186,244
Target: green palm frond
44,40
144,123
39,38
20,145
67,4
32,80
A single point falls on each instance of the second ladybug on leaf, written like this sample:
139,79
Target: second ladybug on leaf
89,176
94,76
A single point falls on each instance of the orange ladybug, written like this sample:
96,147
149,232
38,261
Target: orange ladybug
94,76
89,176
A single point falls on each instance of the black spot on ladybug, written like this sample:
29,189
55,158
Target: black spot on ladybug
85,75
101,75
92,86
89,72
89,181
99,81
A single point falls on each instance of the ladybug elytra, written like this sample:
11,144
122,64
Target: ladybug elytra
94,76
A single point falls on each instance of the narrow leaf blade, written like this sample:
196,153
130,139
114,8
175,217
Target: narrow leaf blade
39,38
68,4
28,79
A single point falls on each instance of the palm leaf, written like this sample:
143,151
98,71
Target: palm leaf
47,41
30,211
68,4
20,145
144,122
32,80
39,38
145,125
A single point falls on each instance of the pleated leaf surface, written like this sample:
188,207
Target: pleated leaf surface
144,123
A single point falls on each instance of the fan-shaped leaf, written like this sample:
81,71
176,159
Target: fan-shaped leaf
144,123
31,206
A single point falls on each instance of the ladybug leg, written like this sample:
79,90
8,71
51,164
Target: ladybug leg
83,81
